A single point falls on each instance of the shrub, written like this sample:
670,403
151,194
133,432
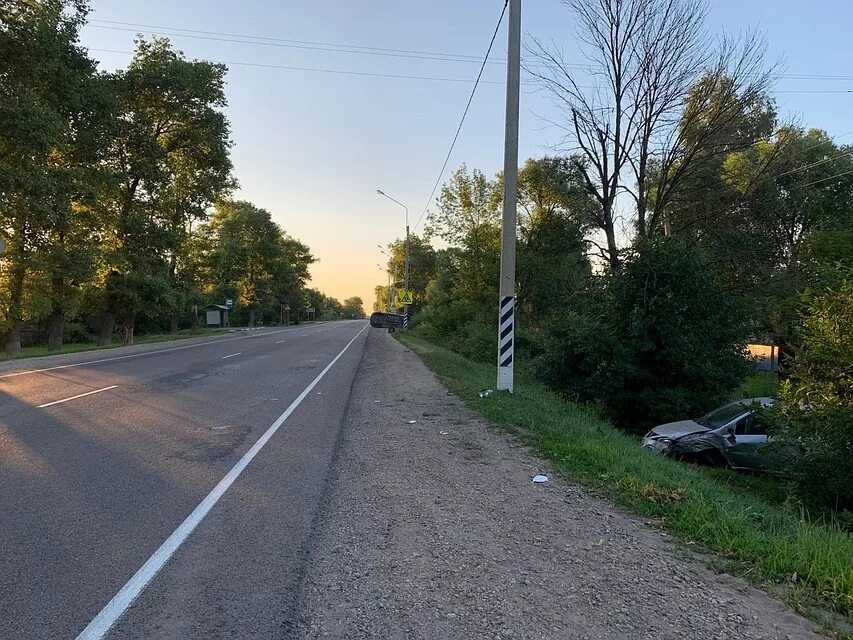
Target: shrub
660,342
816,411
77,332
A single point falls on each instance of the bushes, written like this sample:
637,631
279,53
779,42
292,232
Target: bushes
659,342
816,411
77,333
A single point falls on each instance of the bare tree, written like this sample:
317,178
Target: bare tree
656,77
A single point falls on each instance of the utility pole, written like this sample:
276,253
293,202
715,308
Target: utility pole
506,305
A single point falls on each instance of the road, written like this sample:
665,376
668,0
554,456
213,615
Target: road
101,463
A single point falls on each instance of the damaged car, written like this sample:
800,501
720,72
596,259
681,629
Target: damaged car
727,436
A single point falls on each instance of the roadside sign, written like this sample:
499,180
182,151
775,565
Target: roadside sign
404,297
229,303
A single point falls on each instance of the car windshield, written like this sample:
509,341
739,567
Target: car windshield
719,417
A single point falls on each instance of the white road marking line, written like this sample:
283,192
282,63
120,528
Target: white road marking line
239,353
305,334
101,624
133,355
279,341
88,393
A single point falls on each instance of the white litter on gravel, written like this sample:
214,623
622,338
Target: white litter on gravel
540,479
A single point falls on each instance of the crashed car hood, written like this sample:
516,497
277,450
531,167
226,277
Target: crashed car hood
678,429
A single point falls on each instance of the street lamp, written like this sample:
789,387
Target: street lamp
406,268
388,273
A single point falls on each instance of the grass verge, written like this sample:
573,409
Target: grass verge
38,352
750,527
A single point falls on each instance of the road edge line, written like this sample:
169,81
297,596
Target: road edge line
98,628
79,395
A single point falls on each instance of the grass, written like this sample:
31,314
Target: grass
748,523
757,385
38,352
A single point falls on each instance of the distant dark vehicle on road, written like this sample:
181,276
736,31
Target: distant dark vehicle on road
727,436
390,321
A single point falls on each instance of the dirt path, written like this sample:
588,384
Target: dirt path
435,530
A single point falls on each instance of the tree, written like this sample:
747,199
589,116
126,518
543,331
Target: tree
551,187
660,341
170,161
556,210
252,260
645,56
768,204
467,218
353,308
47,97
421,264
817,398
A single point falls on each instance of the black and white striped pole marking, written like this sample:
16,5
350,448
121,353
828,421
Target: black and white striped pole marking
506,333
406,320
506,311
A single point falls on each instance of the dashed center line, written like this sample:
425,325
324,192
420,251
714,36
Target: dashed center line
88,393
239,353
279,341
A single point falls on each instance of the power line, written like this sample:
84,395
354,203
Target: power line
301,42
441,56
844,173
438,57
464,113
403,76
814,164
322,70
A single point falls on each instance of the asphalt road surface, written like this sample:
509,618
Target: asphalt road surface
117,474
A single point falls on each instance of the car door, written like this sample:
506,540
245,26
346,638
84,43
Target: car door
747,451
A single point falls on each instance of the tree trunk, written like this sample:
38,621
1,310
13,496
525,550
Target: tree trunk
612,248
173,324
55,331
13,341
195,320
251,317
127,329
108,325
16,297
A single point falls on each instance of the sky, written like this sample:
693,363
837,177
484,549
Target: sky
312,147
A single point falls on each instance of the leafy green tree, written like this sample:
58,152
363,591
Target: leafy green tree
252,261
170,161
817,398
468,218
555,213
421,264
47,97
661,341
353,308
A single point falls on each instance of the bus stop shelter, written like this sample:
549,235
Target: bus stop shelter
217,315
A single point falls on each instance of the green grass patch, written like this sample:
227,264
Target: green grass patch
38,352
748,522
758,385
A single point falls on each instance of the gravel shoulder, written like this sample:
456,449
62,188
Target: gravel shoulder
433,529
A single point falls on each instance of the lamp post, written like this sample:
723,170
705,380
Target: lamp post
388,273
406,268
